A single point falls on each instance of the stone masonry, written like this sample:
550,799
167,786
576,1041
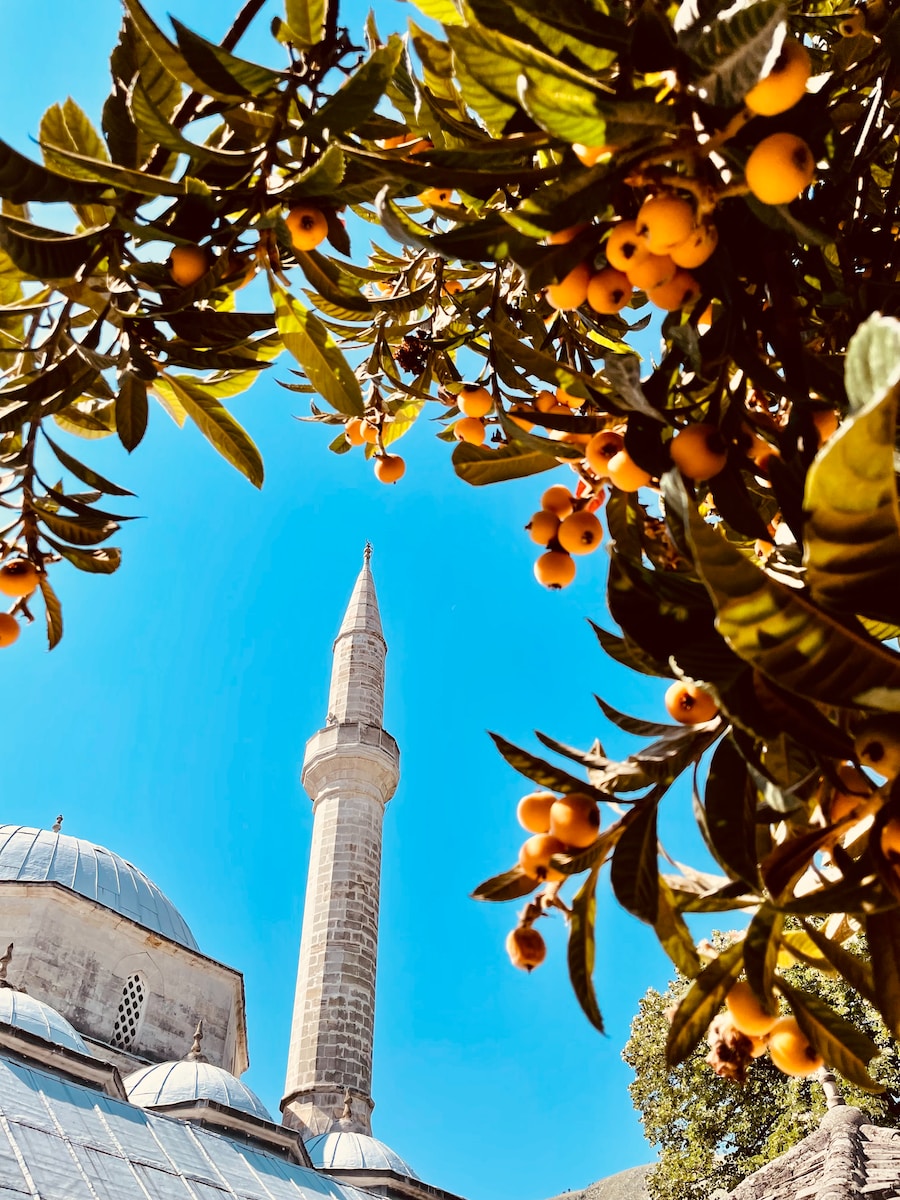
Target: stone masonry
350,771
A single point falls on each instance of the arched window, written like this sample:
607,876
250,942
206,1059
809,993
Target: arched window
129,1013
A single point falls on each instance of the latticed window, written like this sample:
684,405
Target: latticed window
128,1016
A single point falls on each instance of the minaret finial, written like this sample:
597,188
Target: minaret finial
367,552
57,824
834,1097
195,1054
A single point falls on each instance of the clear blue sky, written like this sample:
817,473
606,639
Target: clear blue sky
170,723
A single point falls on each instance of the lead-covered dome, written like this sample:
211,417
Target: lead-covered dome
343,1150
187,1080
42,856
22,1011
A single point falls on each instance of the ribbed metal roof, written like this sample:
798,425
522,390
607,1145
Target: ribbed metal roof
342,1150
177,1082
25,1012
41,856
61,1141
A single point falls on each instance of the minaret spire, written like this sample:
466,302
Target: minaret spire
350,771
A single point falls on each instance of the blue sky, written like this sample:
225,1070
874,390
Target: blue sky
170,723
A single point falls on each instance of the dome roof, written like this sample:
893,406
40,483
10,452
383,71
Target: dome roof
24,1012
178,1082
341,1150
39,855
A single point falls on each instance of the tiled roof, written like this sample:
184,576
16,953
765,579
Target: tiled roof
846,1158
62,1141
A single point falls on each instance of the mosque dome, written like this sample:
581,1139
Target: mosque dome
22,1011
343,1150
44,856
192,1079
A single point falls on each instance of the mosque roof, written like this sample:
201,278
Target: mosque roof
115,1151
44,856
178,1082
344,1150
22,1011
846,1156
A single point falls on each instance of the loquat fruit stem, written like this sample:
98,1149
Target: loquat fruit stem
734,126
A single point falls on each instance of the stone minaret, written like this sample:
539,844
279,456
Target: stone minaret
350,771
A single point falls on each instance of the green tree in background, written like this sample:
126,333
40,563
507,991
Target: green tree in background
545,179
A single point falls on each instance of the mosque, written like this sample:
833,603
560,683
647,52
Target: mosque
122,1044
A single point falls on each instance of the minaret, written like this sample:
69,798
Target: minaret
350,771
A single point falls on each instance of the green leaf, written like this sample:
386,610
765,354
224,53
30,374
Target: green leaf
634,873
511,885
581,949
218,426
226,73
86,474
170,57
701,1003
42,253
357,98
80,530
840,1043
310,343
132,410
118,177
480,465
674,935
634,724
23,181
628,653
624,374
567,110
872,365
883,934
731,52
542,773
68,127
53,612
857,970
730,813
778,631
306,19
852,528
102,561
443,11
159,130
761,943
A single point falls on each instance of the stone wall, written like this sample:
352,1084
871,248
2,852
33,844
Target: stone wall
77,955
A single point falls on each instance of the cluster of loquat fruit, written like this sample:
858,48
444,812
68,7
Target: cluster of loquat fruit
673,232
189,262
18,579
557,825
747,1030
308,228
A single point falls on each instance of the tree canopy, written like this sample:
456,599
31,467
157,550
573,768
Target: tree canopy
549,178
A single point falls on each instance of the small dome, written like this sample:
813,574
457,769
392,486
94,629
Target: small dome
41,856
178,1082
24,1012
341,1150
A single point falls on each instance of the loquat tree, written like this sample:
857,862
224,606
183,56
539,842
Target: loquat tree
552,180
710,1134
